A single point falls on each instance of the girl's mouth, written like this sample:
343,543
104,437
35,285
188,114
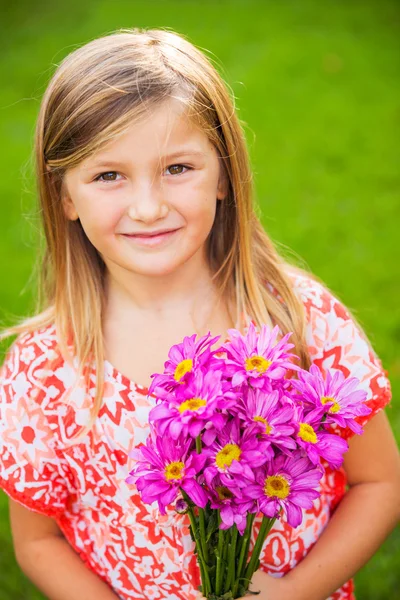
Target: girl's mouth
151,240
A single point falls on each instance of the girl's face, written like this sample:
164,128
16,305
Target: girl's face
162,174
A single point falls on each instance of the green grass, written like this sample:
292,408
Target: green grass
317,86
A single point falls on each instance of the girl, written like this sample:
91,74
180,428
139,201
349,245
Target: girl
146,199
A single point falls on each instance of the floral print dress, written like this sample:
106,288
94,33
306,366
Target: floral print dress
138,552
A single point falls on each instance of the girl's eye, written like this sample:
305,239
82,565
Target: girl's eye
104,176
110,176
173,169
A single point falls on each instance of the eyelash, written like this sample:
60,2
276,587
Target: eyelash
169,167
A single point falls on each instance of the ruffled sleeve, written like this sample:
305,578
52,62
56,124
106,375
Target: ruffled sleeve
31,468
336,342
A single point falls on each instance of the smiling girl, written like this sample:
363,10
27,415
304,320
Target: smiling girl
145,193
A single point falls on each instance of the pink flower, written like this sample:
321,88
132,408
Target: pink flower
234,455
286,483
193,408
255,358
317,442
233,506
337,394
184,359
271,413
164,467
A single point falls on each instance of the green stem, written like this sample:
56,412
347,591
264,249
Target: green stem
232,560
198,444
203,534
228,537
244,548
255,555
206,588
201,514
239,545
246,552
218,578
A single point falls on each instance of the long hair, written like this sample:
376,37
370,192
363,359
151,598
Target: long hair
94,95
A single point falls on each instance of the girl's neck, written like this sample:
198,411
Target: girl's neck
192,298
137,336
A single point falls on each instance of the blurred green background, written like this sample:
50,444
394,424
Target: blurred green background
317,86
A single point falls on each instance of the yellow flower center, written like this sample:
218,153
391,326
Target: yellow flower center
185,366
277,486
257,363
307,433
223,492
228,453
174,470
268,427
192,404
335,407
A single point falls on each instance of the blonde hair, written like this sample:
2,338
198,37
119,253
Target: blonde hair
92,97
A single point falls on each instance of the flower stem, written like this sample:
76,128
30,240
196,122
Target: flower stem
244,549
255,555
232,559
198,444
201,514
206,588
251,519
218,578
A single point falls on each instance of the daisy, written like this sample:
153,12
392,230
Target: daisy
287,483
233,506
196,406
340,396
256,358
164,468
234,455
271,414
184,359
317,442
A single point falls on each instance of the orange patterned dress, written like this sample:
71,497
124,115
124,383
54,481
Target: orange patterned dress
138,552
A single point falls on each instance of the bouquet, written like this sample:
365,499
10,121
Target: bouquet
232,437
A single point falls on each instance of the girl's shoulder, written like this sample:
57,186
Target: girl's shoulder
336,341
32,368
313,293
31,385
329,321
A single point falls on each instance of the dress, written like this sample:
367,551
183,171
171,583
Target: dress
140,553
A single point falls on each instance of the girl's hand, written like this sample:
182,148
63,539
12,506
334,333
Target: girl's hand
270,588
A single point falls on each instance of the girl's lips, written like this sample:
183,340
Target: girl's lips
151,240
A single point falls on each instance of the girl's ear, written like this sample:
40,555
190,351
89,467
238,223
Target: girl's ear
67,204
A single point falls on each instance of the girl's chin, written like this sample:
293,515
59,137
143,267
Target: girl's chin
153,271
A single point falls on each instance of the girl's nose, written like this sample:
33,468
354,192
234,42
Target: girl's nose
147,204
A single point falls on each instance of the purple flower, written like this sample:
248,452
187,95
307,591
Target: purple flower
270,414
184,359
337,394
256,358
233,506
317,442
164,467
196,406
234,455
286,483
181,506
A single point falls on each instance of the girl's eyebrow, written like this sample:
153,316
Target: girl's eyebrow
103,162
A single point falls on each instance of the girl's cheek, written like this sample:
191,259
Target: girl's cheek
193,200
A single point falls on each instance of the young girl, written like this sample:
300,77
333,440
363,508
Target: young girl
151,235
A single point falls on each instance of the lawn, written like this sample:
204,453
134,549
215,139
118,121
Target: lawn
317,88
